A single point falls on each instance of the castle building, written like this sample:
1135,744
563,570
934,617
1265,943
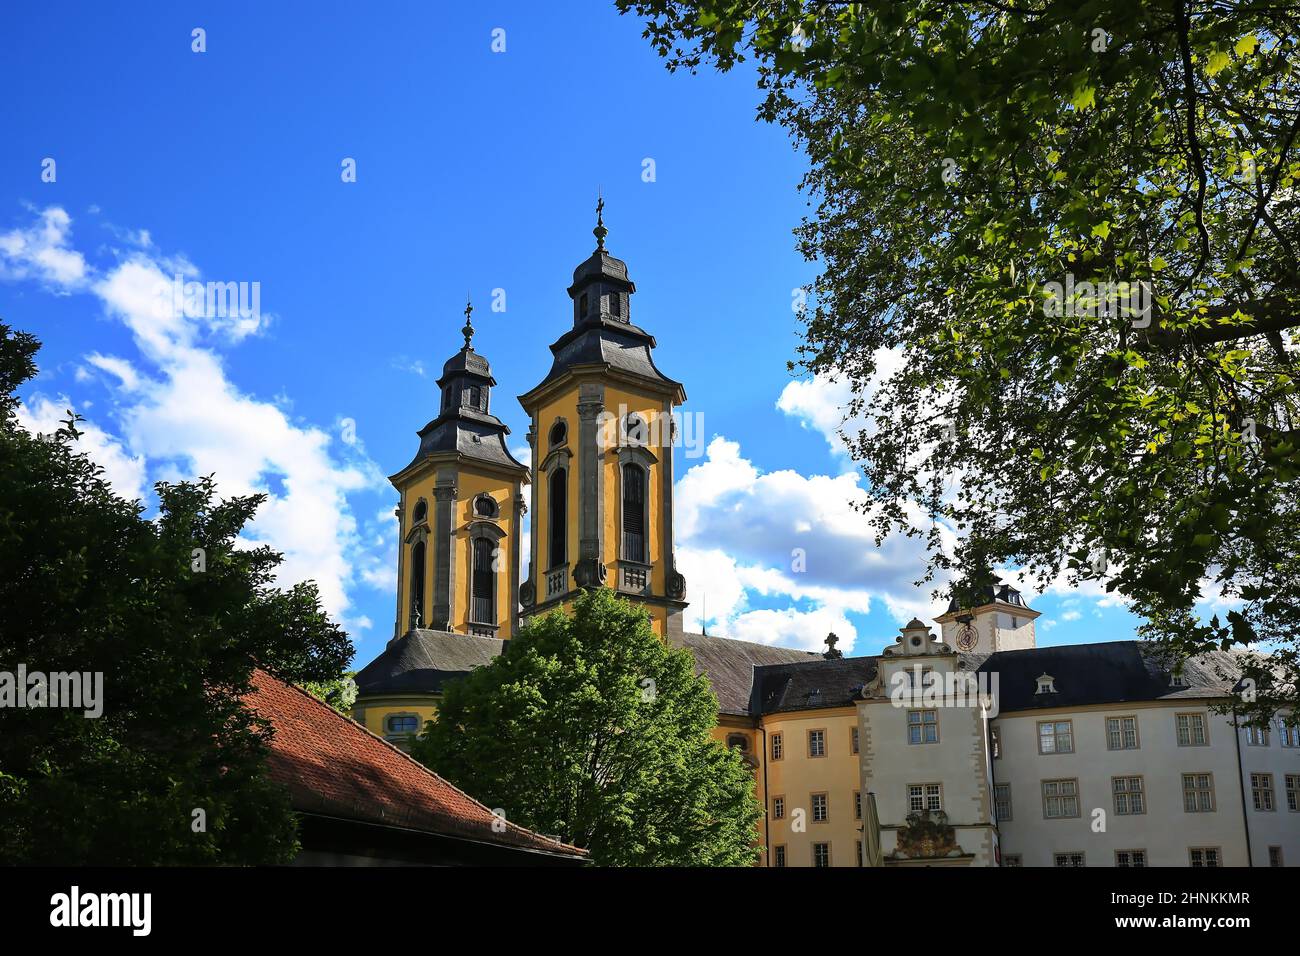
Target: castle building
971,748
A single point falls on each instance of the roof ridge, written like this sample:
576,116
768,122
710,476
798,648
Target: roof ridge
398,750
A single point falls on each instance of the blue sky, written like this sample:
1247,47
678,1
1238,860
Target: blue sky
476,170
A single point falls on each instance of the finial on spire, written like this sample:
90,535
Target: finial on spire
468,330
600,232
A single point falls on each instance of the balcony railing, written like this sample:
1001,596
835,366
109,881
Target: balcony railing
557,582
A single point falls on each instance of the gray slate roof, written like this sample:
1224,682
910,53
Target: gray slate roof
1107,673
422,661
474,434
811,684
730,665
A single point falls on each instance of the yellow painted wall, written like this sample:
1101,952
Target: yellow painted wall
371,712
469,483
618,402
796,776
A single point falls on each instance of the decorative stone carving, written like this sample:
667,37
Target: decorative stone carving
926,835
677,586
589,573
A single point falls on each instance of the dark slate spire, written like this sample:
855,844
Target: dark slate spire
465,423
600,232
603,333
468,329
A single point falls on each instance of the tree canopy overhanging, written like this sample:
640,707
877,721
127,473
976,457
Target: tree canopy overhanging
591,727
173,615
1057,243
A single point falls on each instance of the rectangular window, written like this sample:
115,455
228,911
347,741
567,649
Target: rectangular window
1257,736
1130,857
1128,794
853,740
1261,790
1121,733
857,804
820,811
1067,859
778,747
1275,856
995,740
1012,859
816,743
821,854
1002,801
778,855
1060,799
858,848
634,495
1191,730
1056,737
922,727
1290,736
1293,791
778,808
924,796
484,582
1204,855
1198,793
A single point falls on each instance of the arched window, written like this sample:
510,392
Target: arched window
483,586
417,584
558,520
421,511
559,432
634,488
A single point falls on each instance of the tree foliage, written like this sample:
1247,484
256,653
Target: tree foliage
173,615
963,157
592,728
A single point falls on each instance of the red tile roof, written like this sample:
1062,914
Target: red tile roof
332,765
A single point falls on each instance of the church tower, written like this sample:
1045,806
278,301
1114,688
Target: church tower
461,511
602,435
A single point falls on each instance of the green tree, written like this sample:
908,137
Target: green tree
173,616
966,156
592,728
340,693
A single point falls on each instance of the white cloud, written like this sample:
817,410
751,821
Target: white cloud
187,418
41,252
747,535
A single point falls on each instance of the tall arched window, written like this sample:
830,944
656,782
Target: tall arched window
559,517
483,587
634,487
417,584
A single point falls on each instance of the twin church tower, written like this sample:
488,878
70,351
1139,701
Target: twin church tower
599,488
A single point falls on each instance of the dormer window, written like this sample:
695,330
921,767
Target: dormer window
1046,684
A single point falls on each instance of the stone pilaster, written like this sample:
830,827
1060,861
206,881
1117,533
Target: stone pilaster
444,532
590,570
